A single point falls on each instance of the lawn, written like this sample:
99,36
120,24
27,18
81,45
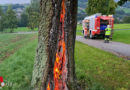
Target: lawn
119,35
121,26
100,70
95,69
9,43
122,36
21,29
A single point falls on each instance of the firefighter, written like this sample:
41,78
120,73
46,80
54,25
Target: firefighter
107,34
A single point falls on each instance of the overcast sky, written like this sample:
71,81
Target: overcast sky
14,1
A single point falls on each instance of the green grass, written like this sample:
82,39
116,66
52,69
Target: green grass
121,26
122,36
17,69
95,69
100,70
9,43
79,30
119,35
21,29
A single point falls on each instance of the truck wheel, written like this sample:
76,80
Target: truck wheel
91,36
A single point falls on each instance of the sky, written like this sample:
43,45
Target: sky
14,1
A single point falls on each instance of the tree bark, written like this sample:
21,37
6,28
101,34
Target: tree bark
56,27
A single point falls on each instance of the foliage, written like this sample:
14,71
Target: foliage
33,18
35,5
2,19
126,19
121,2
23,22
11,19
33,12
101,6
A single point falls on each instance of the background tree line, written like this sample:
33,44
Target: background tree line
8,19
29,17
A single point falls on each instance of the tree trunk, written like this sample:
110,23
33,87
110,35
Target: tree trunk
54,67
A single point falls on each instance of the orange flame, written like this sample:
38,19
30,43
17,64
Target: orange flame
48,87
60,70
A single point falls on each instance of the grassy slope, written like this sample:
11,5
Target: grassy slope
119,36
96,68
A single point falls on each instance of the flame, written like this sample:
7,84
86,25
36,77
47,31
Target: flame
60,70
48,87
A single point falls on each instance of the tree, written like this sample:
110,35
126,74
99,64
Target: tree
33,18
126,19
121,2
11,19
33,12
23,22
1,20
54,64
101,6
35,5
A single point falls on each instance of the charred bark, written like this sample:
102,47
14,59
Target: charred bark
50,35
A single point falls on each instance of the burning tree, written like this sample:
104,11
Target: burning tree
54,67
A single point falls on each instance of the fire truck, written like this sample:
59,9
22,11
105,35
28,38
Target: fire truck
96,24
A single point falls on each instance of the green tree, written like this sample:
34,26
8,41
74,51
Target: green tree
35,5
23,22
33,12
11,19
2,21
101,6
33,18
126,19
121,2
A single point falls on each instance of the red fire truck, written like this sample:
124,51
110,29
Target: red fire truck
96,24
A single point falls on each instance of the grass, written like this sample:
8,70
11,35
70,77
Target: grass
100,70
121,26
122,36
118,36
17,69
95,69
79,30
9,43
21,29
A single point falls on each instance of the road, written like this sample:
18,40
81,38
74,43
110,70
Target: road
119,49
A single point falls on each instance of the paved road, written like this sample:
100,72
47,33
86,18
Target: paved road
119,49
